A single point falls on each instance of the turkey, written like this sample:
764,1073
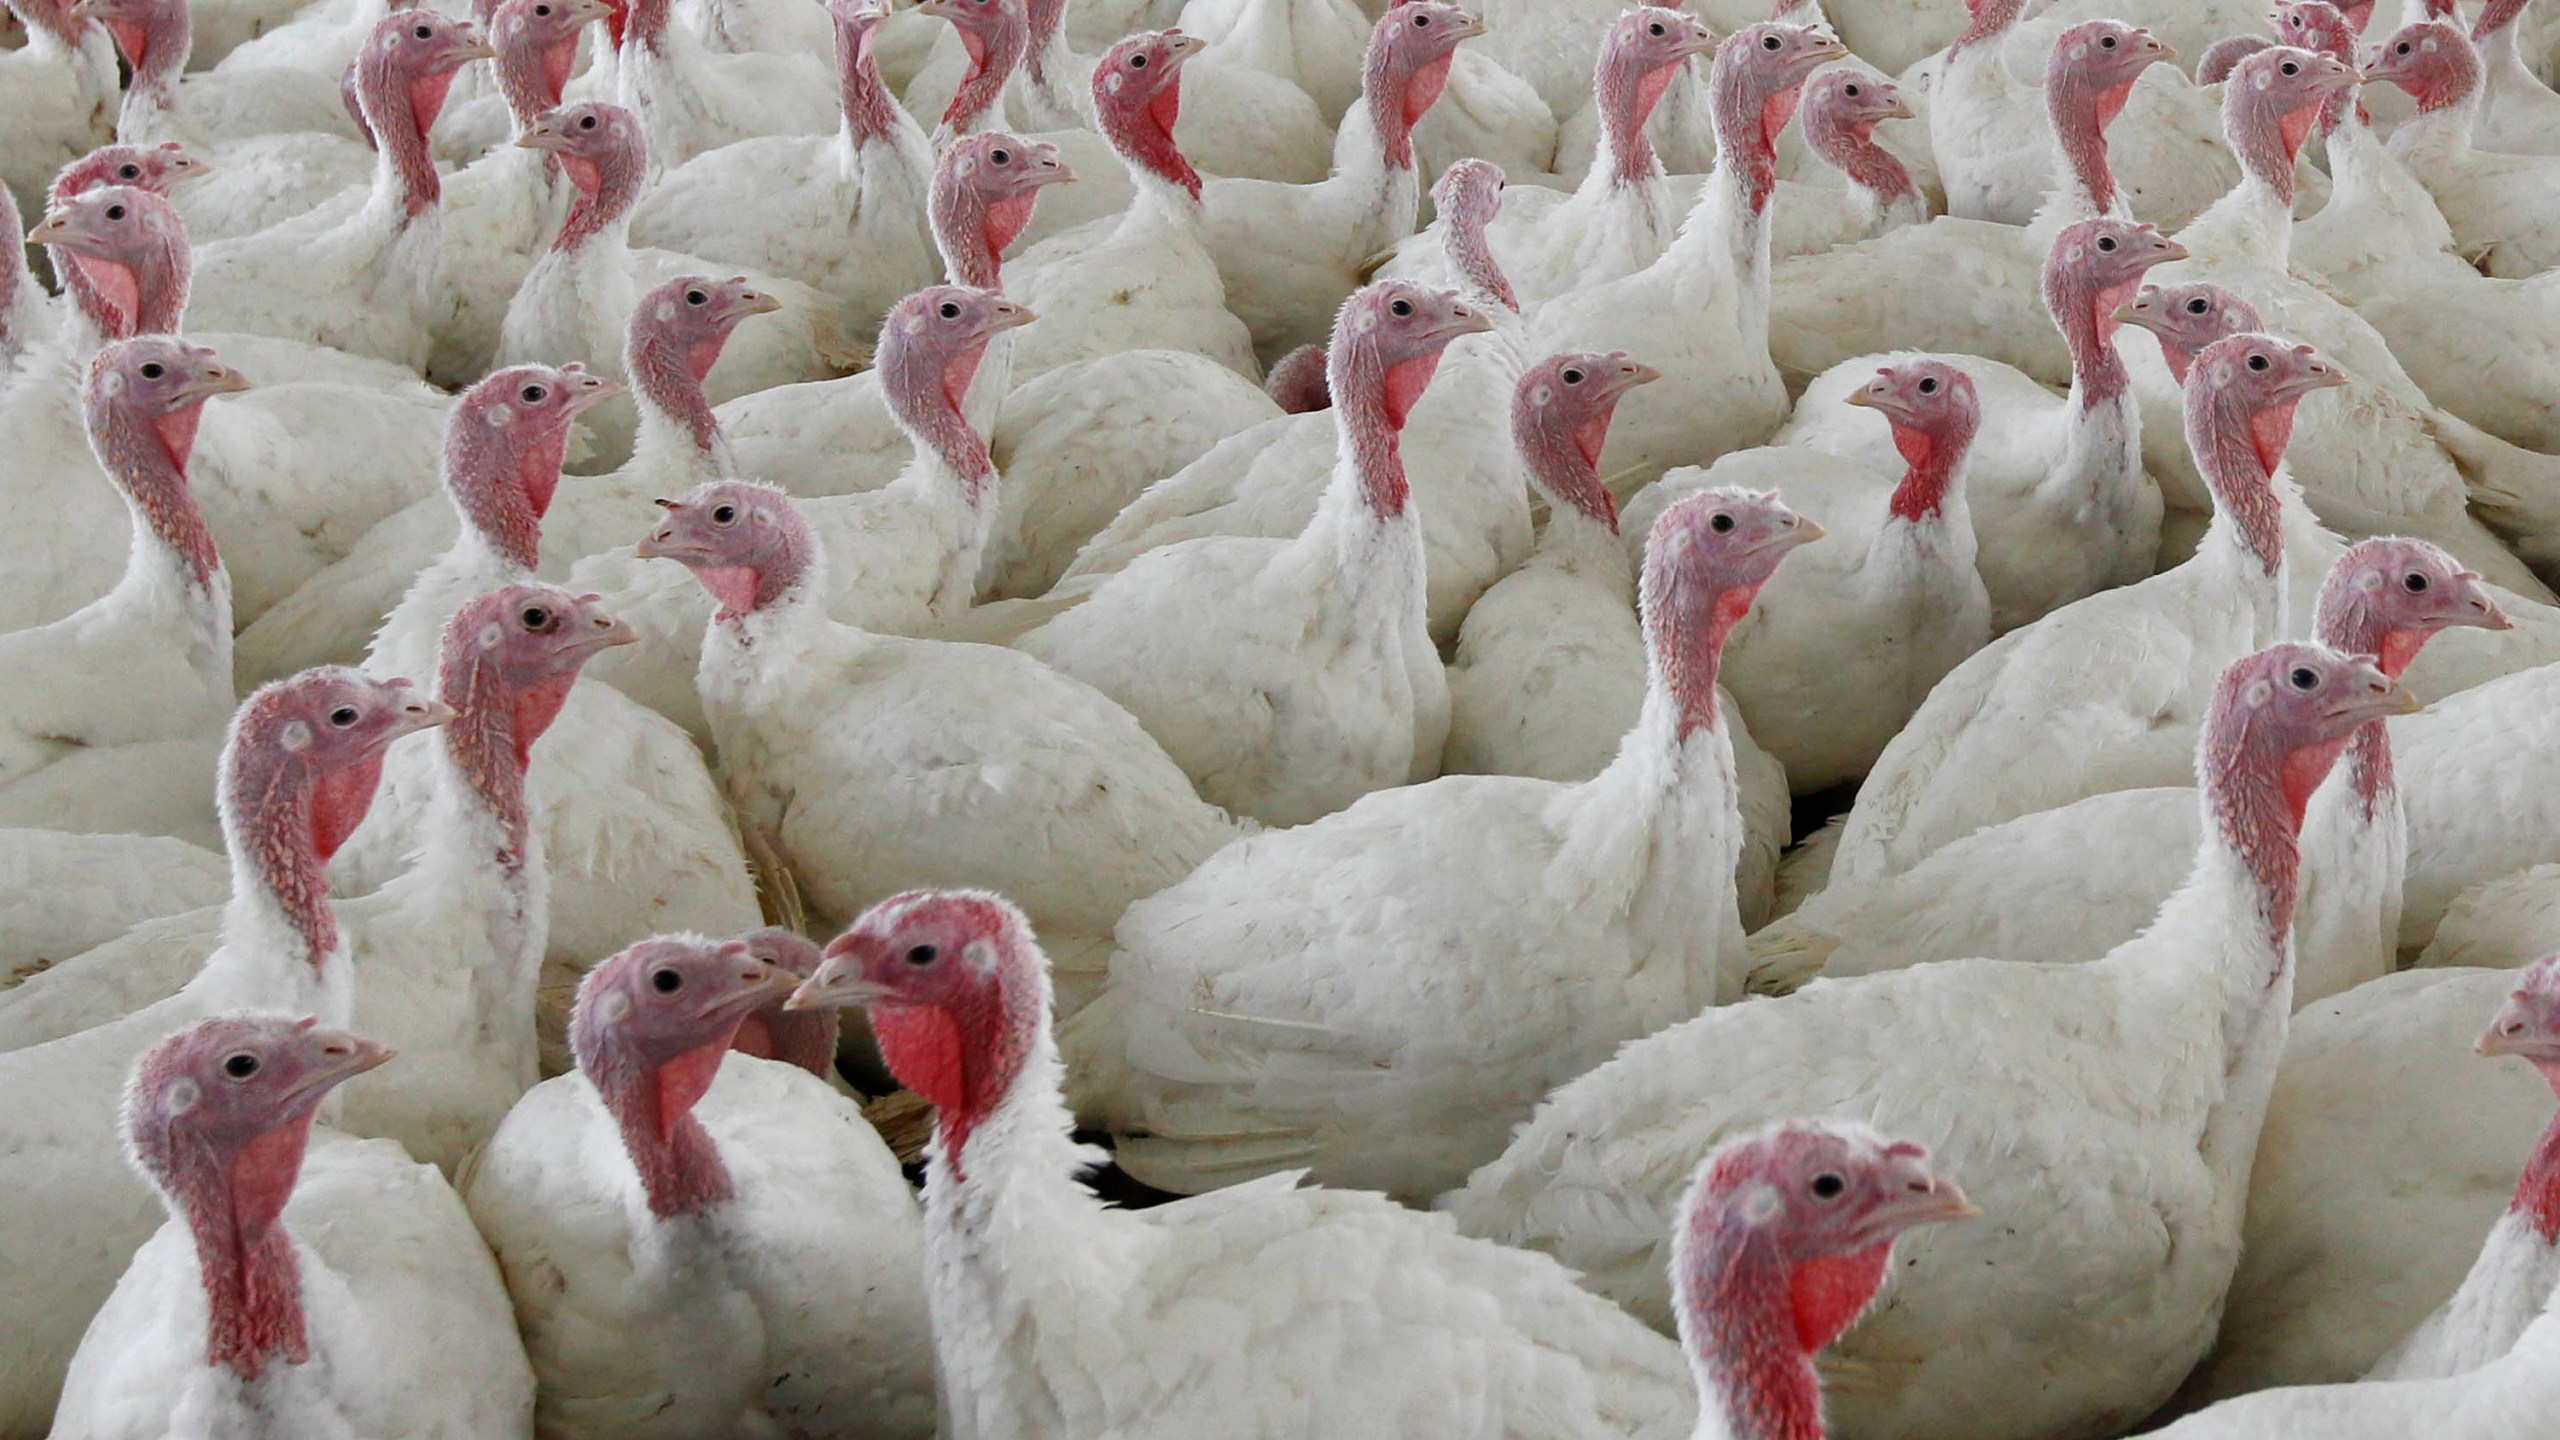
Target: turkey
700,1242
2065,509
61,89
151,659
1322,684
1700,312
844,215
333,1290
1620,218
2109,1120
1368,995
908,552
1969,284
1842,107
870,763
2519,114
1781,1244
2103,694
1269,480
1144,279
1288,255
634,834
298,773
2519,1265
2500,206
1847,643
365,275
692,98
1549,671
1256,1313
2069,884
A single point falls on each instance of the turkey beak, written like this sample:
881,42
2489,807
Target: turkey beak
425,714
1183,47
543,136
215,380
340,1057
604,631
469,46
1940,1202
582,11
1702,42
1803,532
1628,375
1462,320
2379,698
759,981
1899,110
835,987
2170,250
2516,1030
2160,50
57,228
2479,609
594,392
2133,314
1010,316
1469,26
752,302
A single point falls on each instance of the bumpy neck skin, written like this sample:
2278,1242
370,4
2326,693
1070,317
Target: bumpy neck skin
400,110
2084,311
869,111
281,825
1849,147
147,459
2239,451
652,1105
1932,476
2537,1197
1143,138
1370,402
1625,91
1751,1356
488,745
157,45
2448,108
608,185
1728,228
924,389
996,50
139,292
675,413
501,487
532,68
1471,261
970,232
232,1201
1987,26
1685,629
2082,109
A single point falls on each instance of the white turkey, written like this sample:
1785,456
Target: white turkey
1265,1312
1369,995
701,1242
2109,1119
2500,206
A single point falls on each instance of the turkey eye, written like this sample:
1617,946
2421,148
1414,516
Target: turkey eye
665,982
2304,678
1001,157
240,1066
948,310
2107,43
532,394
2106,244
1420,21
2416,584
1138,61
697,297
1572,377
1720,523
2401,49
153,370
1401,307
723,514
343,716
1827,1186
922,955
425,33
1769,42
1654,29
2197,306
115,212
536,618
586,122
1929,386
2257,362
1849,90
129,172
2289,68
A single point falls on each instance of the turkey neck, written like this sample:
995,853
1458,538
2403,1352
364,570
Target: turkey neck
280,825
1365,524
172,551
231,1197
1373,186
2241,454
868,111
970,232
607,185
2537,1197
158,48
1743,1326
1471,261
678,433
994,54
803,1038
1625,90
651,1101
531,77
2081,110
2348,625
2448,111
139,292
1851,149
1726,234
2255,220
1054,88
2101,469
1011,1240
401,109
